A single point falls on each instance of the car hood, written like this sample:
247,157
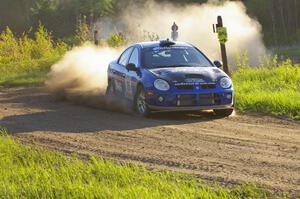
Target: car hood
189,74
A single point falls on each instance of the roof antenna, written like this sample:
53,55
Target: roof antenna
174,33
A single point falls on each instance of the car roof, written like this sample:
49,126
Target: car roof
153,44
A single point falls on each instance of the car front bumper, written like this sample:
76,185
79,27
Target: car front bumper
188,108
190,100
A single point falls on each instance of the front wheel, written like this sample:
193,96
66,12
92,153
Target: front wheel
140,104
223,112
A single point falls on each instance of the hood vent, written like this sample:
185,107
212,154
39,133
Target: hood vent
194,76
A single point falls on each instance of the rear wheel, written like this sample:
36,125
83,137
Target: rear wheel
140,104
223,112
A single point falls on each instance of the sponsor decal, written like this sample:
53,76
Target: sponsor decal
169,48
192,83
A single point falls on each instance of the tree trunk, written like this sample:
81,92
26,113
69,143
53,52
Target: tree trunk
283,22
296,20
272,10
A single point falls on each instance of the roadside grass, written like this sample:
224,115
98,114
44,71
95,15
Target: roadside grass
31,172
274,90
26,73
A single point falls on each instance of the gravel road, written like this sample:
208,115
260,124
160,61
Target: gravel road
241,148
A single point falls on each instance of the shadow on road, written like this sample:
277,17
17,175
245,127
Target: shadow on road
38,111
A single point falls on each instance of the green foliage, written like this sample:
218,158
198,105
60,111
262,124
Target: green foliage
82,31
3,132
242,60
15,50
29,172
116,40
58,16
98,8
9,46
27,74
274,90
22,56
43,44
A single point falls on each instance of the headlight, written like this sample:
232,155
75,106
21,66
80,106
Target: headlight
225,82
161,84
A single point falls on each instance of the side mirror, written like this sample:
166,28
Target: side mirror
131,67
218,64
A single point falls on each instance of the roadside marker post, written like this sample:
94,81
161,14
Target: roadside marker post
223,37
96,41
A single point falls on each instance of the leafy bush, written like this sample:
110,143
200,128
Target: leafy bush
14,51
23,55
116,40
9,47
82,31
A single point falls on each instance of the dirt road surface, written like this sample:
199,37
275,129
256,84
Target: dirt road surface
241,148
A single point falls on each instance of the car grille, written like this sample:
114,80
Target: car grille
190,87
202,99
208,86
184,87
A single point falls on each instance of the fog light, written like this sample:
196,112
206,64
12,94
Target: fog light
228,96
160,99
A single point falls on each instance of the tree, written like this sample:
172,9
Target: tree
82,31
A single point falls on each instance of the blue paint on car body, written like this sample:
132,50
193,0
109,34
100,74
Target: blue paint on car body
174,75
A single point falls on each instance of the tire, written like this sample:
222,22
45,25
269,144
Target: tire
140,104
223,112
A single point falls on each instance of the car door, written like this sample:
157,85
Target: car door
120,71
131,78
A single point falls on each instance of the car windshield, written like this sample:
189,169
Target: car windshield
174,56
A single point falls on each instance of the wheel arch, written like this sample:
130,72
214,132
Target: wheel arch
138,86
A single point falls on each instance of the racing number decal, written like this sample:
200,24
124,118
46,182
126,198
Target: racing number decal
128,87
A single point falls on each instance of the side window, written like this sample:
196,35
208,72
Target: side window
125,56
134,57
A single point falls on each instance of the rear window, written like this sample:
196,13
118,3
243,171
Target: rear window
159,57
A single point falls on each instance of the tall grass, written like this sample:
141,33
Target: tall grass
30,172
274,90
23,57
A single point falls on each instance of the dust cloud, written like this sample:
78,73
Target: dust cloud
195,26
83,69
81,75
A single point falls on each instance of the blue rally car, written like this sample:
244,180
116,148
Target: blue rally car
170,76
